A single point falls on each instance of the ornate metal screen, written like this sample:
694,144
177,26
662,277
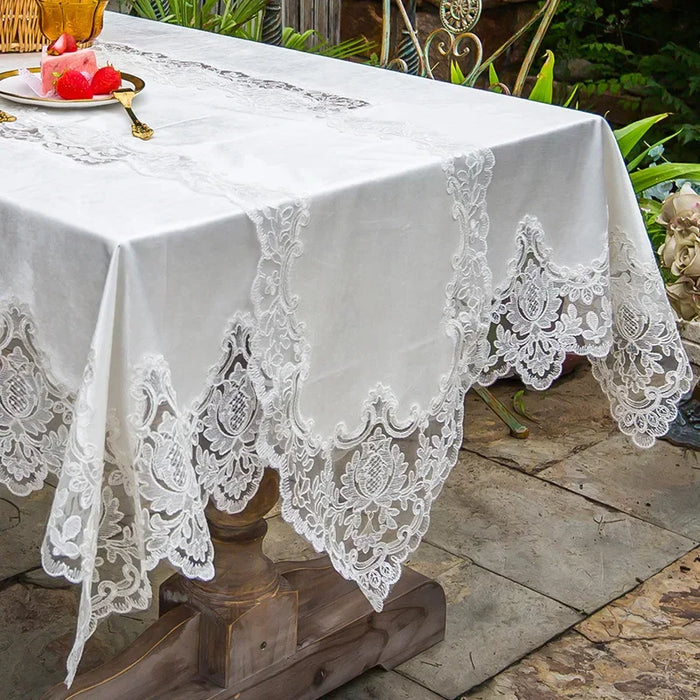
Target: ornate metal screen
454,42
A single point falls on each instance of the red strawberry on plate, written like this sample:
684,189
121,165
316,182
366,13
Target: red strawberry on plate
73,85
106,81
64,44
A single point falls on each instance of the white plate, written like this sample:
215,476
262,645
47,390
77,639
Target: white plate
14,89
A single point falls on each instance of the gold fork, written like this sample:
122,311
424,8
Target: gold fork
5,117
140,130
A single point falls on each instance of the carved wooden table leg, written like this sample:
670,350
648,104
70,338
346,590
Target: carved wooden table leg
257,631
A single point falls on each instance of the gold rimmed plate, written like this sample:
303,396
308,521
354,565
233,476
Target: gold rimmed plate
14,89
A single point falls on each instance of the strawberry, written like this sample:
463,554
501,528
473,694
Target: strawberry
106,80
73,85
64,44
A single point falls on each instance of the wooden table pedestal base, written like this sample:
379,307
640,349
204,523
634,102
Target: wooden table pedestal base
260,631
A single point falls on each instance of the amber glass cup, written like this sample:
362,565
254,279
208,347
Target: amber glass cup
81,18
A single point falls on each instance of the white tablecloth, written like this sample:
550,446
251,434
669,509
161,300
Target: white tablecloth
307,267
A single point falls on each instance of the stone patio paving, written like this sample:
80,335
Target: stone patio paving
529,539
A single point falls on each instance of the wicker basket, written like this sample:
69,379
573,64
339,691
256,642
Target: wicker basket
19,30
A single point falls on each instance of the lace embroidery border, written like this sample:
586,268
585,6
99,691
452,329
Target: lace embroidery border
35,409
544,311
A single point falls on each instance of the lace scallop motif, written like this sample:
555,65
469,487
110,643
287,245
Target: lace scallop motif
613,311
545,311
646,372
365,497
108,530
35,410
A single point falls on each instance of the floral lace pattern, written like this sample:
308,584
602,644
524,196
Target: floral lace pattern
35,410
116,578
150,506
257,94
546,311
646,372
614,312
67,549
175,523
91,146
378,486
365,498
227,424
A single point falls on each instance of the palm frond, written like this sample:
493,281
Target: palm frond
312,42
239,18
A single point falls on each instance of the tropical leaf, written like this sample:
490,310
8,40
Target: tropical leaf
629,136
519,405
346,49
239,18
650,207
457,77
298,41
543,89
156,10
570,98
495,85
312,42
637,161
648,177
493,76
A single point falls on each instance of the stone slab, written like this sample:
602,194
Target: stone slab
22,524
37,629
283,544
432,561
381,685
574,669
569,416
643,645
690,330
660,485
544,537
491,622
667,606
693,351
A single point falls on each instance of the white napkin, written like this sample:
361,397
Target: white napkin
33,80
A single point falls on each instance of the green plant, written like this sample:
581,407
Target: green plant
242,19
239,18
312,42
652,176
643,52
542,90
541,20
635,152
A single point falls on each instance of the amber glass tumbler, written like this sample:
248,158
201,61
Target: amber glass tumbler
81,18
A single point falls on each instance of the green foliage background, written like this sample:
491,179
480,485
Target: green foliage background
647,50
